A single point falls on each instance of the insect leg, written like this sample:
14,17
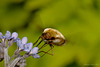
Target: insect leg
44,52
47,51
51,48
43,46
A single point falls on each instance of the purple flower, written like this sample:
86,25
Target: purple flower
8,35
34,50
24,40
1,35
28,47
14,35
20,45
36,56
23,45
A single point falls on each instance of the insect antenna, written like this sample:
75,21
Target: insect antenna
39,43
36,41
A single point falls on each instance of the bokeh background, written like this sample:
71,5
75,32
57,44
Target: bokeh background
77,20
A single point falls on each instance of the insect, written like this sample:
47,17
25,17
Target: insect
51,37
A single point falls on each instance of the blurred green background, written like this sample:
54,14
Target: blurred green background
77,20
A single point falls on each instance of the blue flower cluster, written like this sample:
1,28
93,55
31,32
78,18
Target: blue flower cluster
24,46
21,43
8,36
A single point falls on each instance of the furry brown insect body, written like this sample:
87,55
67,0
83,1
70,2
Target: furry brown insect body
53,36
50,37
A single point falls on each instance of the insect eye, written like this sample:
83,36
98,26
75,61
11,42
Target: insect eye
52,38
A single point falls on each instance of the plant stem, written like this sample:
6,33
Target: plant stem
6,57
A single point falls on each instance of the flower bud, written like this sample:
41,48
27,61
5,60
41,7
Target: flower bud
24,40
14,35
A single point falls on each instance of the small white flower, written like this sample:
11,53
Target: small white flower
34,50
23,45
28,47
20,45
19,42
24,40
14,35
36,56
7,35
